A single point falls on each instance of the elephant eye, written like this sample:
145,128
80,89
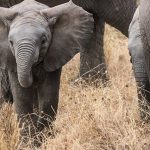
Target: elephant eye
43,40
11,43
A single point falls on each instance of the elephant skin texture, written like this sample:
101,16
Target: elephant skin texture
139,48
35,42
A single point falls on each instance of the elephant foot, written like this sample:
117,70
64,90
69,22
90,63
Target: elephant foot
144,110
145,113
144,100
46,123
32,138
96,77
29,131
34,142
145,116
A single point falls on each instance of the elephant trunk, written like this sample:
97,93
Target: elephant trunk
24,60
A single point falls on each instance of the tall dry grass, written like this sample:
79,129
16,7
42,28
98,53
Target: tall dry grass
89,117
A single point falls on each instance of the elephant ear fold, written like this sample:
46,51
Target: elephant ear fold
6,15
71,32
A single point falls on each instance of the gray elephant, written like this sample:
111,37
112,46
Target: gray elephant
139,50
35,42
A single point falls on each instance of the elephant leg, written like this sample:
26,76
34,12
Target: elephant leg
5,92
48,95
23,103
143,84
139,67
92,58
118,13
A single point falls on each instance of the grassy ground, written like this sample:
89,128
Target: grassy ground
90,118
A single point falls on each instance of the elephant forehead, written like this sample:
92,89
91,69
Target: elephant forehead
28,5
32,18
27,32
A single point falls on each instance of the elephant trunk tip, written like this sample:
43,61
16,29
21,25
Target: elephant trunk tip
25,82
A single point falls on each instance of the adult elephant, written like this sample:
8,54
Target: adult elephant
139,47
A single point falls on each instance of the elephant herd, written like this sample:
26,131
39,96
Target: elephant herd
37,38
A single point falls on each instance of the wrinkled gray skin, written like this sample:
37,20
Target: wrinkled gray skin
137,50
35,42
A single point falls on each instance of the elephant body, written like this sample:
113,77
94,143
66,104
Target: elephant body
140,56
35,42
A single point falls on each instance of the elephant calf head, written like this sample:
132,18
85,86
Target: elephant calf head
37,33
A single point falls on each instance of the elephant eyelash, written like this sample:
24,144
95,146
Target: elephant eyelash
11,43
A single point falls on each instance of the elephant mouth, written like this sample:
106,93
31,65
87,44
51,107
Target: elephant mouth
37,63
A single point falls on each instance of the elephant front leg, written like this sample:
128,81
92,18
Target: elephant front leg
48,95
143,88
92,58
5,92
23,103
139,67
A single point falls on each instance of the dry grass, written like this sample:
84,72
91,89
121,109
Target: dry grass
89,118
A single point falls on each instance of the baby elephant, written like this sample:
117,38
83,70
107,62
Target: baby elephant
35,42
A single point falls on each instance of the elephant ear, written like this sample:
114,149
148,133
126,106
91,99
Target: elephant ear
144,16
71,32
6,16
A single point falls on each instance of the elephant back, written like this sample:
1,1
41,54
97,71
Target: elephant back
144,18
